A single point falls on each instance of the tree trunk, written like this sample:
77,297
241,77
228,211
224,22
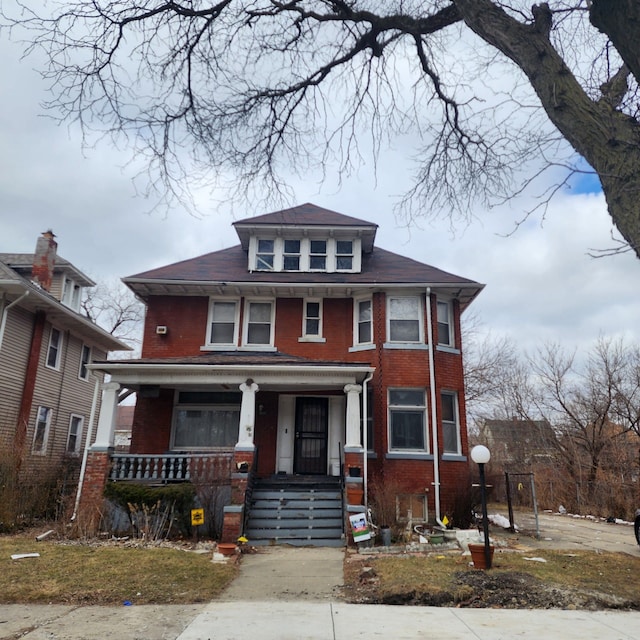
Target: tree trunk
608,139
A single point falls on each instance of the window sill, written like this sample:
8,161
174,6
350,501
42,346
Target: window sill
406,345
453,457
408,455
446,349
222,347
311,339
362,347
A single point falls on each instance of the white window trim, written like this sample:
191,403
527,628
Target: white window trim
71,293
452,337
456,417
356,322
56,366
84,378
420,340
78,434
245,324
222,346
425,421
45,437
312,337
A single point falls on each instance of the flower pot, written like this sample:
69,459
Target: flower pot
436,538
355,494
354,472
478,556
227,548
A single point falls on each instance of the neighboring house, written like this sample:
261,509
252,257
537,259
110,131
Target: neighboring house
124,420
289,359
46,345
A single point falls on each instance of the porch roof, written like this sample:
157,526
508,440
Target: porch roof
272,370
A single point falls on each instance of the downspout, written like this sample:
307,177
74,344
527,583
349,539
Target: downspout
5,313
365,435
87,445
434,415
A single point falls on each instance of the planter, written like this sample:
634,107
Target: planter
227,548
477,555
436,538
355,494
354,472
385,536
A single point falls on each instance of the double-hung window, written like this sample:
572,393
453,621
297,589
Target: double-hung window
363,321
265,255
291,256
318,255
71,292
41,431
445,334
312,324
258,323
407,420
85,359
450,423
75,433
405,319
344,255
223,323
55,348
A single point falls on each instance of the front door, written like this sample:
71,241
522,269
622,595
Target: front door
311,436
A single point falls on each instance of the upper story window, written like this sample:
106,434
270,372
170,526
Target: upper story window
450,423
445,324
85,359
407,420
363,321
312,323
291,256
75,433
404,322
265,255
259,319
344,255
55,348
41,431
223,317
71,293
318,255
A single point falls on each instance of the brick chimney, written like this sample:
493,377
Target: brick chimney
44,260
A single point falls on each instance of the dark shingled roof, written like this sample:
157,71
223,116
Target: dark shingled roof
307,215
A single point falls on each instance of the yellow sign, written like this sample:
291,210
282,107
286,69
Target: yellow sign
197,517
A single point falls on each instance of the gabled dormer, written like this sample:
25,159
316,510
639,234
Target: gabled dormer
306,238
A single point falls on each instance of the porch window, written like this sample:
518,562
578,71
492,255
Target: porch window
450,423
224,322
405,319
54,349
445,334
364,322
206,420
41,431
259,323
407,420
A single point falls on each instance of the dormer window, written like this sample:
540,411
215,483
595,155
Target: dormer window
71,292
265,254
318,255
291,255
344,255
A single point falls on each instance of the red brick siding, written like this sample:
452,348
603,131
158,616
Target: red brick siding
152,423
266,432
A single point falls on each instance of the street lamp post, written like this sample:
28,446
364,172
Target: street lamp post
481,455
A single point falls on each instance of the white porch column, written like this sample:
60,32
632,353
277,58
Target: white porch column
247,416
107,420
353,439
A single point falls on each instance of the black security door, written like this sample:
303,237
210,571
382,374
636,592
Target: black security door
311,436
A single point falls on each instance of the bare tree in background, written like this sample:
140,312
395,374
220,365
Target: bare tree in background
504,97
116,310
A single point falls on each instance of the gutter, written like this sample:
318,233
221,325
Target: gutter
365,436
5,313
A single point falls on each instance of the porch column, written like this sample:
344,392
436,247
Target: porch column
353,439
107,420
247,416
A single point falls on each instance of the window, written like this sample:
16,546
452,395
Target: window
450,423
364,322
344,255
445,335
291,260
55,347
264,257
259,321
85,359
312,318
407,419
405,319
41,433
205,420
224,323
71,294
411,508
369,421
75,433
318,255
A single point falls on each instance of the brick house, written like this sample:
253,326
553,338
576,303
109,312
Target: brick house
46,345
306,361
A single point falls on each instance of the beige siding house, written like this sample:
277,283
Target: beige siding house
48,397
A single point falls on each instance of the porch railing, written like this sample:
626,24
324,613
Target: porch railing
165,468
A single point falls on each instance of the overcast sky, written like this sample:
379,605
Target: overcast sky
541,285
